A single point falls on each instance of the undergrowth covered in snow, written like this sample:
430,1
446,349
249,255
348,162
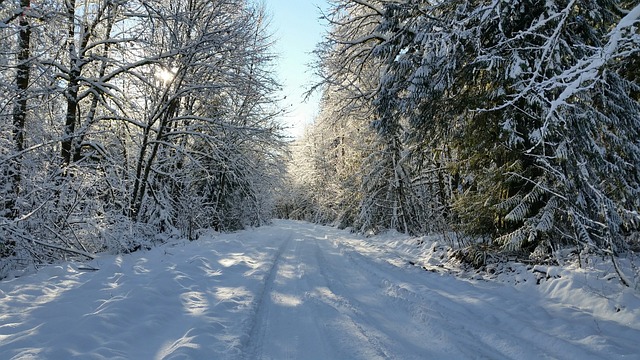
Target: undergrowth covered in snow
586,280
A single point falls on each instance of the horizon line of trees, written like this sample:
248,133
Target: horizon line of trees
514,122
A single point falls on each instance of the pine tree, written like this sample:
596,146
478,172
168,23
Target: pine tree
522,111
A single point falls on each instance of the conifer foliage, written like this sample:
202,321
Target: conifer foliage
515,121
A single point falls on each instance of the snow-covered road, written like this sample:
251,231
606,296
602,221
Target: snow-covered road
290,291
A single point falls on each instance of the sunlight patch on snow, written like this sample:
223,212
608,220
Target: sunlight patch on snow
195,303
118,261
206,267
168,349
325,292
40,295
279,298
210,272
289,271
115,283
106,303
30,353
238,295
325,295
238,258
139,267
182,279
17,336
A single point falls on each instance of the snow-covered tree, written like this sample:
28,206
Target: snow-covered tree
516,113
13,167
349,69
587,140
141,116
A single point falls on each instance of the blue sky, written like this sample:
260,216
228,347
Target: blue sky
297,29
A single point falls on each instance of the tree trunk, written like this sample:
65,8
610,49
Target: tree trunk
71,93
20,108
142,180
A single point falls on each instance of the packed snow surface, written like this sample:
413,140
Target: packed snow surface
300,291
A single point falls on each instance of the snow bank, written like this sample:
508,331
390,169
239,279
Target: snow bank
594,289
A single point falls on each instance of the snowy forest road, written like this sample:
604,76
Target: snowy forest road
288,291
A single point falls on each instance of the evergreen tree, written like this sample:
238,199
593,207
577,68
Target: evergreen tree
511,116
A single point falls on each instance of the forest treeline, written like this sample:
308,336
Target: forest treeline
121,120
509,126
512,123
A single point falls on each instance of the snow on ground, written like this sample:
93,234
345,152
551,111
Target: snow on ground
301,291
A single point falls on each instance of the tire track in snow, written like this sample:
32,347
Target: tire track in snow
253,342
448,312
396,292
346,307
432,324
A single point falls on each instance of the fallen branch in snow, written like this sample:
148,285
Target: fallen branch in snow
623,279
54,246
87,268
73,251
